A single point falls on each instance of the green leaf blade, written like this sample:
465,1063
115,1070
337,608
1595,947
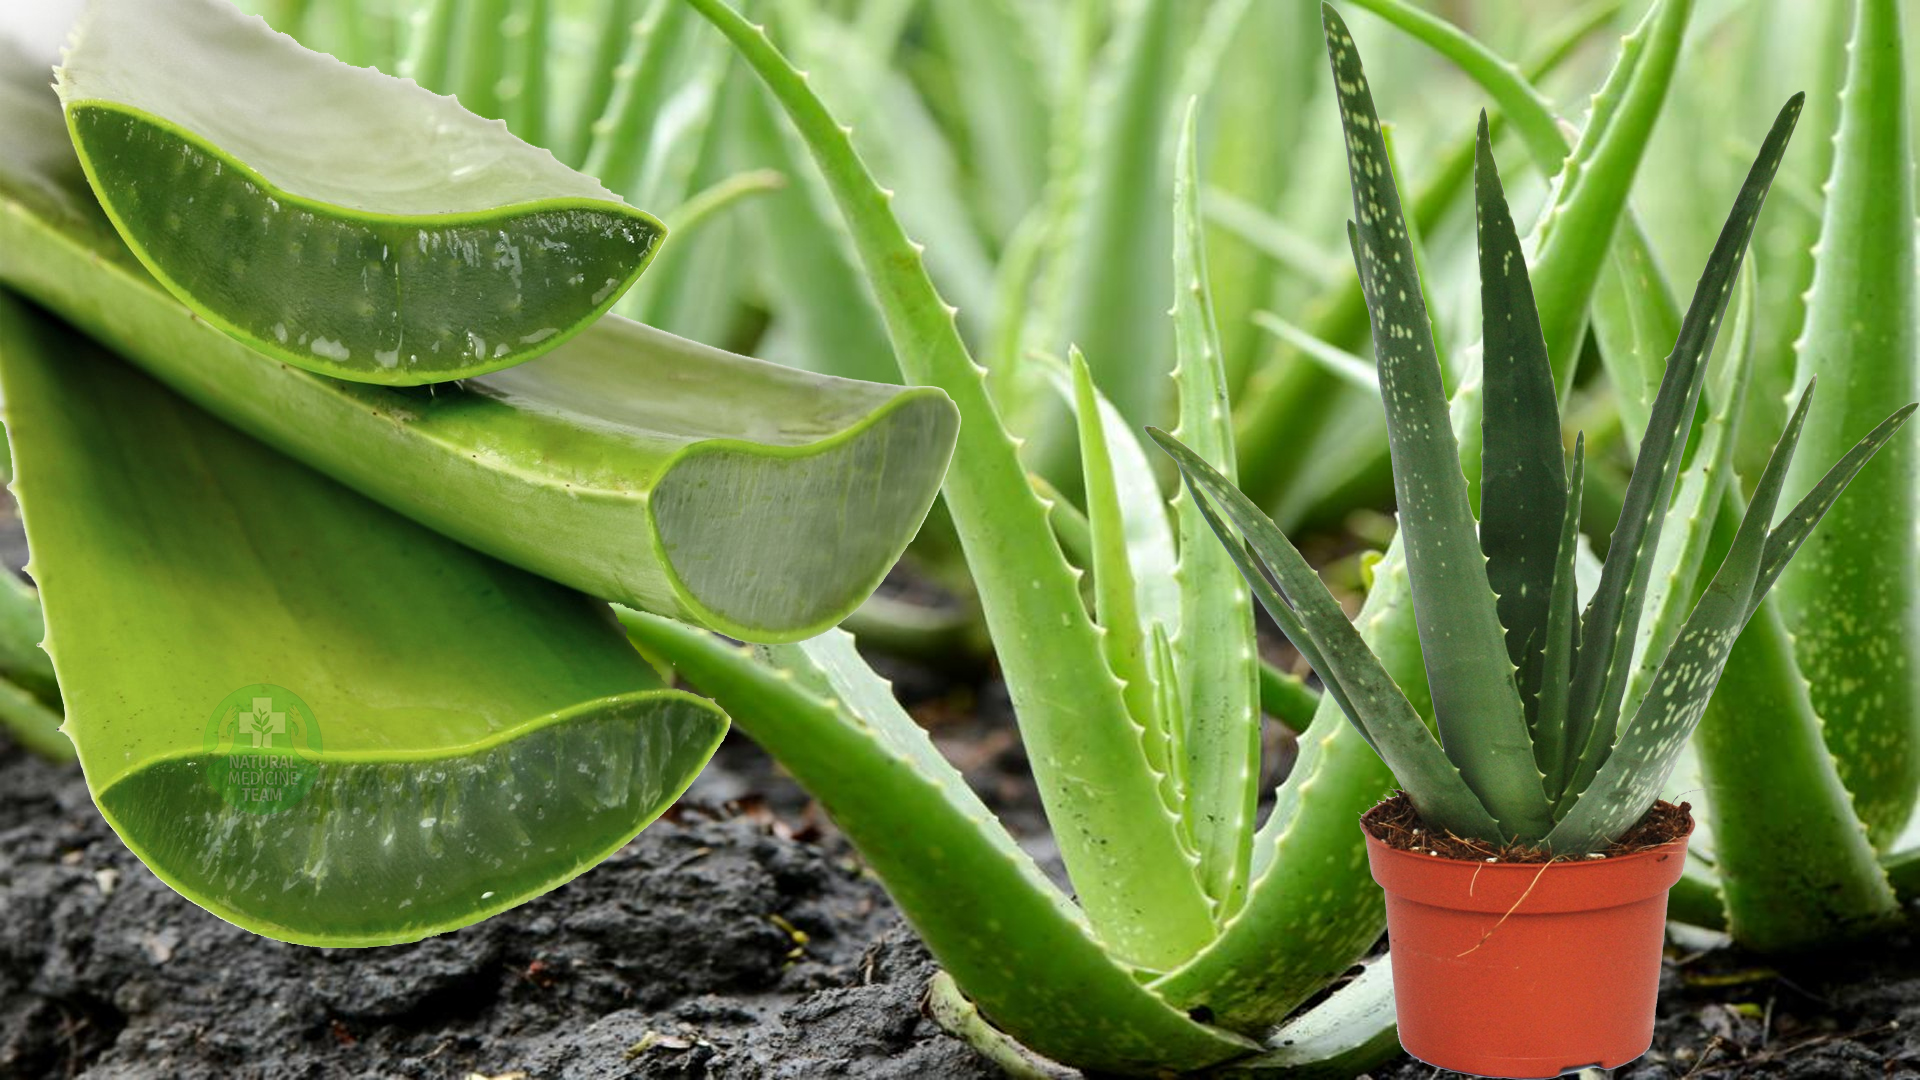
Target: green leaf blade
371,231
1852,598
1213,645
1612,618
1482,722
445,782
1523,483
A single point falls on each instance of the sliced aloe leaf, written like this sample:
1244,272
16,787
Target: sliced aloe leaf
333,217
761,501
442,736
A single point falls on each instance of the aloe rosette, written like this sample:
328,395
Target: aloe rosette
1531,748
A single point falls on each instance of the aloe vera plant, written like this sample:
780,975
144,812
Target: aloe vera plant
1532,748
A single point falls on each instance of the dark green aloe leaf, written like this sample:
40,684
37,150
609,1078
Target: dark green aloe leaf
1482,723
758,500
1313,620
443,736
1561,634
1612,617
333,217
1523,480
1638,765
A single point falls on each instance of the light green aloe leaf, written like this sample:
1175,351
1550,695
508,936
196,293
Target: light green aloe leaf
1698,498
1795,866
1852,599
668,466
1523,480
1116,284
1000,87
1313,620
613,25
621,140
1612,618
1483,725
1018,948
812,273
33,723
479,56
1125,636
22,627
1346,1035
516,740
1267,234
524,93
1792,53
1127,861
1353,369
1213,644
429,48
1638,765
331,217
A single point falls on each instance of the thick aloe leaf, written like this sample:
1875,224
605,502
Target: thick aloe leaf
1795,866
1312,619
1482,723
1024,954
1638,765
622,139
332,217
1523,481
1117,279
761,501
1000,88
1852,599
1213,646
1344,1036
513,743
1129,864
1612,617
1116,595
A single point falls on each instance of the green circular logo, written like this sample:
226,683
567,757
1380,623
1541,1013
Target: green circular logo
263,748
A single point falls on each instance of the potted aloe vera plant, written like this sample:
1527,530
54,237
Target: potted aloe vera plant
1526,864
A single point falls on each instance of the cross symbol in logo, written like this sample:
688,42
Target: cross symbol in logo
263,723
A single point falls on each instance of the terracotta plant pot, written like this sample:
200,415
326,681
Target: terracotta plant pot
1526,970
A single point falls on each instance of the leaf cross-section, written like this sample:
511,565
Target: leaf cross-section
333,217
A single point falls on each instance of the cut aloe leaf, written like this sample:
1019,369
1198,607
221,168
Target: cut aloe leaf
760,501
311,716
333,217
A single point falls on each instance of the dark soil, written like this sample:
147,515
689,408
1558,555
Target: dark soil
1395,823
